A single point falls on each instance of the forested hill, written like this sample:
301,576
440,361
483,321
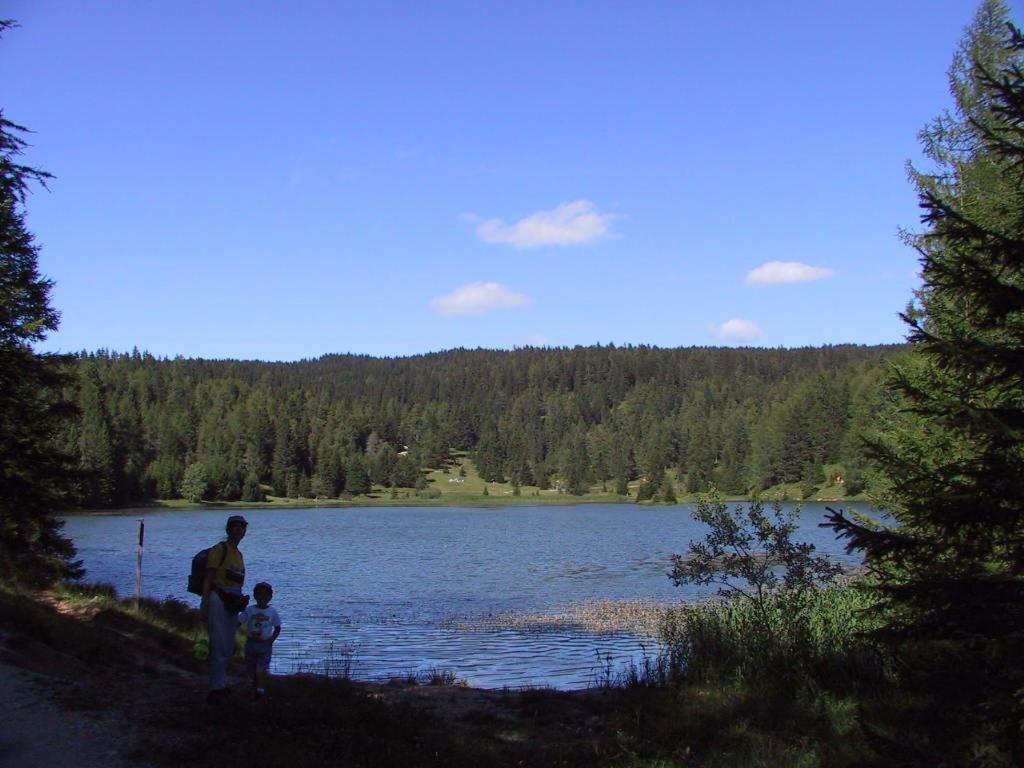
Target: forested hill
740,419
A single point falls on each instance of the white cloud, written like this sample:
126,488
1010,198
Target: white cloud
780,272
737,330
574,223
478,299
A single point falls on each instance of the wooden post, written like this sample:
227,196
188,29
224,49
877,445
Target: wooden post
138,563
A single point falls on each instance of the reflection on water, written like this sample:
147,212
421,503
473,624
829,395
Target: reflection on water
397,590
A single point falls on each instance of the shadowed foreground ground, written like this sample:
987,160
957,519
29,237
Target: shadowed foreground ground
93,681
96,686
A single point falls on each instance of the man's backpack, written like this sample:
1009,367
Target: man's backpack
199,565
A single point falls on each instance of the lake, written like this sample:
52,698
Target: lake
389,591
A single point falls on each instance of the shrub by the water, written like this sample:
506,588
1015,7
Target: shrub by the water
782,652
818,637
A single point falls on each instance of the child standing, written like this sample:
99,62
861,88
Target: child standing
262,626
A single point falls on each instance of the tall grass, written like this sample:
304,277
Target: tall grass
338,661
817,637
92,626
170,614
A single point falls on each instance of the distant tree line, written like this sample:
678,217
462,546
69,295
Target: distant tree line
738,419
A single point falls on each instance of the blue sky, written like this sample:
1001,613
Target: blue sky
272,181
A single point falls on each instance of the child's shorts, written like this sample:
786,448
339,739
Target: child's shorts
257,657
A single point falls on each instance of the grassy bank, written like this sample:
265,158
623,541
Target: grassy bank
461,485
726,696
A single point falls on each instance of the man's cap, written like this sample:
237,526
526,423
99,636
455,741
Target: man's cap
237,520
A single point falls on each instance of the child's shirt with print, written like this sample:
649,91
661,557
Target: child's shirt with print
259,622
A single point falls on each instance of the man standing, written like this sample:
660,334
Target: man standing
222,600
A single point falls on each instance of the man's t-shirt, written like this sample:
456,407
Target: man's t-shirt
229,565
259,622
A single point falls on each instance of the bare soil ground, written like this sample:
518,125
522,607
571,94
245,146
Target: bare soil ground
58,710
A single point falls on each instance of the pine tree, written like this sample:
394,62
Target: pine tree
489,457
34,474
951,574
700,459
357,480
96,453
576,463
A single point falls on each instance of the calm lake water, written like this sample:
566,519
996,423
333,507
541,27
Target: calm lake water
390,590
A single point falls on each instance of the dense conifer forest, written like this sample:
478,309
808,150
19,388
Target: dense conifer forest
737,419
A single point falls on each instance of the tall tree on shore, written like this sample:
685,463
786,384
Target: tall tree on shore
951,575
33,473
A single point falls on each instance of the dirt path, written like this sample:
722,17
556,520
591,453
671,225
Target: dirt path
39,731
55,711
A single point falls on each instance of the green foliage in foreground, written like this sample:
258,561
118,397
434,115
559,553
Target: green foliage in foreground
820,639
781,683
782,636
777,617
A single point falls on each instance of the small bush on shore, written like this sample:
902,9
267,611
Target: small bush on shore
782,655
726,639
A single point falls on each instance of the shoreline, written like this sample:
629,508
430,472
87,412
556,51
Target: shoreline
479,502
